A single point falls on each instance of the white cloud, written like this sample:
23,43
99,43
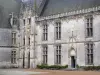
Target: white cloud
24,0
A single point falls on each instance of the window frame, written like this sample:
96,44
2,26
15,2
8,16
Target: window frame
45,32
45,54
29,41
13,57
24,41
24,21
29,21
14,39
58,30
58,54
89,26
89,53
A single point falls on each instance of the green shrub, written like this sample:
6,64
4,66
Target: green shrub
57,67
92,68
41,66
77,66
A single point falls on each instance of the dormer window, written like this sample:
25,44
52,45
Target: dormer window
14,21
14,38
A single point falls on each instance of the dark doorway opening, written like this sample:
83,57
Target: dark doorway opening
73,62
23,59
29,60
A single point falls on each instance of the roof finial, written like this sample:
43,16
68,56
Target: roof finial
35,6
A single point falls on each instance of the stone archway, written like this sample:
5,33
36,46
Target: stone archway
73,58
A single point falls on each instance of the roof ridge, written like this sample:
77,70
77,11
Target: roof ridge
61,6
77,12
42,6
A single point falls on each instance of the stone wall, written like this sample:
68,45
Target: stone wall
5,46
79,43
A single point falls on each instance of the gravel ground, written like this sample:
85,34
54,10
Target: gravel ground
17,72
57,72
45,72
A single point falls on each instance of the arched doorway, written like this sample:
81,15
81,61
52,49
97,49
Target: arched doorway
73,62
73,58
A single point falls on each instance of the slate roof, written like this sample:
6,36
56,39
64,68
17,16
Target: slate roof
6,8
60,6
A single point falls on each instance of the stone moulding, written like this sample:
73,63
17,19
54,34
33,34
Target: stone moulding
83,11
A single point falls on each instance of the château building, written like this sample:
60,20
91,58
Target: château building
57,32
60,32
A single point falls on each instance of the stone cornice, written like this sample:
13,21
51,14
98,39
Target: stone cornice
83,11
61,42
8,47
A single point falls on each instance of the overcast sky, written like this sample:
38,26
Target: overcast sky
24,0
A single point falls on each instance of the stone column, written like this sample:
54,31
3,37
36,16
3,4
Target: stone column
33,60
